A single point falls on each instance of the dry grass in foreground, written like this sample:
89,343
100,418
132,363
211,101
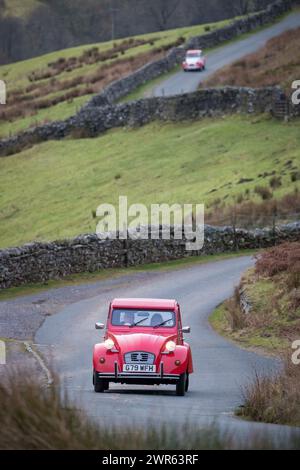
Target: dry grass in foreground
274,399
276,63
35,417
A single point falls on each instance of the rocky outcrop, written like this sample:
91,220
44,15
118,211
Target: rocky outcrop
39,262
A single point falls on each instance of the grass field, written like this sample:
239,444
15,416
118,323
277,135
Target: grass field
52,190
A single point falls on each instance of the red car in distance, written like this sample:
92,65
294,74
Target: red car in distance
143,344
194,60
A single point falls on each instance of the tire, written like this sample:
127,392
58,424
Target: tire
181,385
100,385
187,382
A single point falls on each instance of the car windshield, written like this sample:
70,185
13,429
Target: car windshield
193,55
143,318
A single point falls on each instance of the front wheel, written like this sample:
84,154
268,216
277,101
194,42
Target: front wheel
100,385
187,382
181,385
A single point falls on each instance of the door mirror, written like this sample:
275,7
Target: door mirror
99,326
186,329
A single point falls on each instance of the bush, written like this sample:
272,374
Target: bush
274,398
275,182
282,258
295,176
263,192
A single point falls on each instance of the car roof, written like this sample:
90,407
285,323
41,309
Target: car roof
194,50
163,304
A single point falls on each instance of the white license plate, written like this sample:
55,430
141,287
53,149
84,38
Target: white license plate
138,368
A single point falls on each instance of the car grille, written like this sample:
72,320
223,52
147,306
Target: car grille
139,357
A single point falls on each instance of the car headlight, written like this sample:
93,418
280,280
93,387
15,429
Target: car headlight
109,344
170,346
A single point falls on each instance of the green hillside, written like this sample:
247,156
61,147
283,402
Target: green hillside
52,190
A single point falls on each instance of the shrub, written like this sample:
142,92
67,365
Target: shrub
263,192
295,176
274,398
275,182
282,258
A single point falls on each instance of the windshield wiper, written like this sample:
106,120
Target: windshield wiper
138,322
163,323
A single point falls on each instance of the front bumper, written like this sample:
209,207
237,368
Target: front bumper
189,68
144,378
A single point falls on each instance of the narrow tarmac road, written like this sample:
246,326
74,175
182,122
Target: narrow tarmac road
182,82
221,368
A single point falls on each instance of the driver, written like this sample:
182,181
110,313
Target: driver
156,320
128,319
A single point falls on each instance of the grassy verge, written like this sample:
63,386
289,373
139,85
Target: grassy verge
271,291
256,339
84,278
226,160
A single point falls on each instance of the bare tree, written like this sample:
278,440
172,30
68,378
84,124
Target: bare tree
2,6
240,7
162,11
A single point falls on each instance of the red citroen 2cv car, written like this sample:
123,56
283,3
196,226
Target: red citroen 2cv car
143,344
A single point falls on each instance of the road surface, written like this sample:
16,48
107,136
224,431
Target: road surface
186,82
221,368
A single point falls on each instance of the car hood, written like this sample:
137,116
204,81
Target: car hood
141,342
